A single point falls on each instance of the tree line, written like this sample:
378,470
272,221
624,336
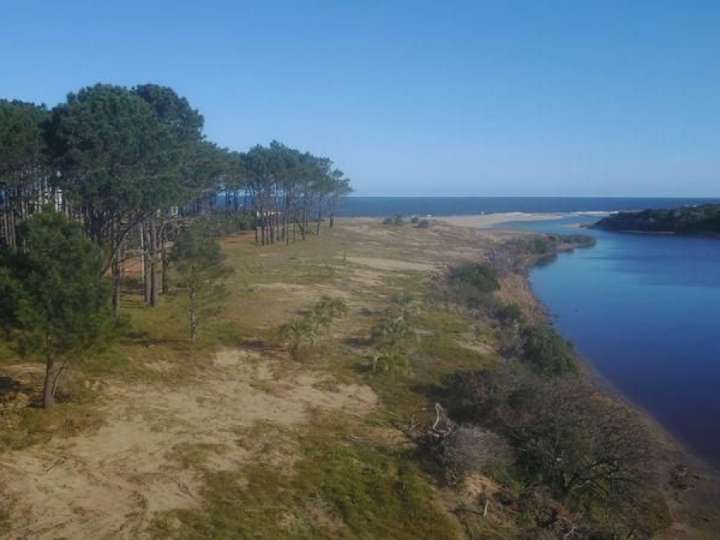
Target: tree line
131,164
115,173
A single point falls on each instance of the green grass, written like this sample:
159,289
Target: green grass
335,490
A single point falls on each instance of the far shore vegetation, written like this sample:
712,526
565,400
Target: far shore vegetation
703,219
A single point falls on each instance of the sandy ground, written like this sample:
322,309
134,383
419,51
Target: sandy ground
486,221
111,483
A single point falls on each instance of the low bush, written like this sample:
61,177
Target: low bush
509,314
541,245
547,352
306,330
467,449
591,453
479,276
391,362
395,220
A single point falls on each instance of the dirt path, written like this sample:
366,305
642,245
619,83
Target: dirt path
111,483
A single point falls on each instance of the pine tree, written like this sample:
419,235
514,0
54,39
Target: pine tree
56,304
199,263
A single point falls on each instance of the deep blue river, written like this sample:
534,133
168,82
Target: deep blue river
644,310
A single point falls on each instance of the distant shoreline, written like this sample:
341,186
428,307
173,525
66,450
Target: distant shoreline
486,221
491,220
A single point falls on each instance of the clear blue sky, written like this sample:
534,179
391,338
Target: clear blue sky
413,98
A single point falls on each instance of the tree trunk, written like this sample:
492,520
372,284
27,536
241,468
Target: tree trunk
52,372
115,271
154,289
165,263
145,263
141,234
193,316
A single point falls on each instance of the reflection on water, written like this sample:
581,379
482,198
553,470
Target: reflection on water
645,310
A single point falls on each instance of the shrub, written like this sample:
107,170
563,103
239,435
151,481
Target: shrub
391,362
395,220
466,450
509,313
479,276
587,450
414,219
391,330
423,224
307,329
325,311
540,245
547,352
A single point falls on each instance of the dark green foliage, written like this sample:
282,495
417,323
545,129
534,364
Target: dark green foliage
182,126
480,276
222,223
702,219
55,300
21,141
23,165
540,245
112,152
589,451
579,240
547,352
509,313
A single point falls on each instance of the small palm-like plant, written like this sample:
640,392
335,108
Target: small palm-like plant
389,336
307,329
297,332
391,362
327,310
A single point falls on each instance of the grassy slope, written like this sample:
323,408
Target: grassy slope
342,475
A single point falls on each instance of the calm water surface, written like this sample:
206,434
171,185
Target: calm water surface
645,311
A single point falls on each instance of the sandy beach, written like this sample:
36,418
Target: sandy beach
486,221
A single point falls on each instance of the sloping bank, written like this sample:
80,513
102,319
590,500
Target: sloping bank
591,463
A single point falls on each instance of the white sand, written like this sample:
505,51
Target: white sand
486,221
